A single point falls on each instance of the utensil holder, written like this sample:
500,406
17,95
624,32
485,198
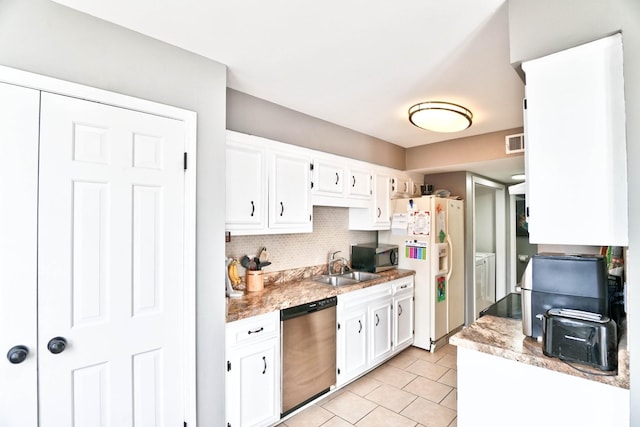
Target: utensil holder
255,280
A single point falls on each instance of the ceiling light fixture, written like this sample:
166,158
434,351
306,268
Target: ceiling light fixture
519,177
440,116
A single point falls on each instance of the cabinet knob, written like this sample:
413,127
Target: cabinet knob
17,354
57,345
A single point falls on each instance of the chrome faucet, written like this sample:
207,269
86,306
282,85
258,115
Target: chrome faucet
344,264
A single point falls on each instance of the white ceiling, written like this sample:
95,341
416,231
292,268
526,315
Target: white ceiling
358,63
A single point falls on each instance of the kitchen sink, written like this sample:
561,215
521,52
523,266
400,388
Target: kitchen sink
346,278
361,276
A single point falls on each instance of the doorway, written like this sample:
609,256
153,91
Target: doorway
488,243
520,250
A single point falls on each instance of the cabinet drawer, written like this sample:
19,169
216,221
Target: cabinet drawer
253,329
402,286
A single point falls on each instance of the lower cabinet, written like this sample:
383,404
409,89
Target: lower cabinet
253,371
370,330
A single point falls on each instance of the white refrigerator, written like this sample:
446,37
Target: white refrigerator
429,232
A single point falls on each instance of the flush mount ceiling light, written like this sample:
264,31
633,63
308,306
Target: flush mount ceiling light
519,177
440,116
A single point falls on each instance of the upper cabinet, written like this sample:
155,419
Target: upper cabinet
377,215
339,181
576,146
268,187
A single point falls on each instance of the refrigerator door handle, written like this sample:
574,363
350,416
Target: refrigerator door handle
449,258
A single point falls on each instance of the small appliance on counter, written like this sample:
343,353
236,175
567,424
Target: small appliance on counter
577,282
374,257
581,336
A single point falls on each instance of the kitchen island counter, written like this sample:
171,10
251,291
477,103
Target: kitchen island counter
296,291
503,337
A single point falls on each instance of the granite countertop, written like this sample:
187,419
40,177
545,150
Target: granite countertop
277,296
503,337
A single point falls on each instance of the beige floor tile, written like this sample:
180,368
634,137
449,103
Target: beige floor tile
393,376
451,401
382,417
337,422
404,359
449,360
364,385
330,397
427,369
391,398
454,423
313,416
428,389
350,407
429,356
449,378
451,349
428,413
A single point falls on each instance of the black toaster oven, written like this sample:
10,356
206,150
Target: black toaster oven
580,336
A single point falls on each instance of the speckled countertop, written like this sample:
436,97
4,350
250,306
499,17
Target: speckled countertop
296,291
503,337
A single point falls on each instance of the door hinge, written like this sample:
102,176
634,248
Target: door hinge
312,185
338,326
185,161
524,102
338,371
184,424
228,366
310,166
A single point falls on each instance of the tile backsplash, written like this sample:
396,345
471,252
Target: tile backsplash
290,251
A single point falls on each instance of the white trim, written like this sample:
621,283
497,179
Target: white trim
61,87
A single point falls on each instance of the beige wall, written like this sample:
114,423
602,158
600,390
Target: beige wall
461,151
248,114
49,39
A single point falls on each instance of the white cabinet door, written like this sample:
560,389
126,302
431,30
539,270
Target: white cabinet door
380,211
19,116
352,343
576,146
110,266
246,186
381,335
329,178
359,185
253,371
253,384
403,312
290,192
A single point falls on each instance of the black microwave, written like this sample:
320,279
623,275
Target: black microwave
374,257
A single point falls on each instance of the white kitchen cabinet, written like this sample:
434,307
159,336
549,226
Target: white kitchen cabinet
352,342
339,181
575,157
359,185
268,186
367,327
253,371
381,329
377,215
246,184
328,178
290,207
403,306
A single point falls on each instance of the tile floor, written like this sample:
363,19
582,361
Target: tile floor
414,389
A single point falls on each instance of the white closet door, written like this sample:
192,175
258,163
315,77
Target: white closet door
18,220
110,267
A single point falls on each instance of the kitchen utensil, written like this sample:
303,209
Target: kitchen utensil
263,264
263,255
253,265
244,261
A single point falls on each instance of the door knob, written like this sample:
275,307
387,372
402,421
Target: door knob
57,345
17,354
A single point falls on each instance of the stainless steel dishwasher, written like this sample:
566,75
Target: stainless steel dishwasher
308,352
